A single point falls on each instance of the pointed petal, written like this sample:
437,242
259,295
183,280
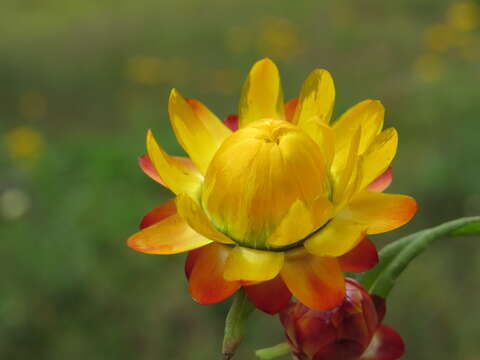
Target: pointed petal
198,220
159,213
324,136
200,136
269,296
382,182
300,221
212,123
252,265
149,169
380,306
206,282
345,174
317,98
379,155
176,174
262,95
290,108
315,281
368,115
231,121
172,235
386,344
380,212
336,239
361,258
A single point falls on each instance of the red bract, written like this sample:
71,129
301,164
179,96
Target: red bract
350,331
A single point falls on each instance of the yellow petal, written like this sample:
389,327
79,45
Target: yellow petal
317,98
172,235
262,95
300,221
175,173
252,265
368,115
199,136
337,238
345,177
214,125
380,212
379,155
324,136
196,218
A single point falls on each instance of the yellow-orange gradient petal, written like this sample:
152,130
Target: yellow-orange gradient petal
262,95
379,155
337,238
245,264
198,220
380,212
178,176
315,281
317,98
200,136
171,235
368,115
206,283
158,214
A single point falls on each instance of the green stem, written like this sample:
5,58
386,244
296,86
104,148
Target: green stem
273,352
235,324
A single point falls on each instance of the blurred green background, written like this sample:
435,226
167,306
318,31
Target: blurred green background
81,81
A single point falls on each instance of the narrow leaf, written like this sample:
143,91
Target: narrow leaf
395,257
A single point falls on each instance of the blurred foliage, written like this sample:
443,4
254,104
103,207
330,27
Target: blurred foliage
82,81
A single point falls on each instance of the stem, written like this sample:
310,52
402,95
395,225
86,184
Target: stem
273,352
235,324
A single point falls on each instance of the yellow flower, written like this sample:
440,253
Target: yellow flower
282,205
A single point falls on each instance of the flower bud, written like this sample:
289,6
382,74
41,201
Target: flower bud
255,177
351,331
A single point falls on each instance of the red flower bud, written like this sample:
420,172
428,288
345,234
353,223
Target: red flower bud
350,331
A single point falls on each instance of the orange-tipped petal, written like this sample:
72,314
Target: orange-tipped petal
200,136
361,258
159,213
317,98
380,212
382,182
171,235
245,264
269,296
231,121
205,280
315,281
147,166
262,95
387,344
290,108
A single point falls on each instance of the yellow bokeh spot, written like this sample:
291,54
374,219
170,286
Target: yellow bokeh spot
146,70
428,67
464,16
279,38
238,40
24,143
439,38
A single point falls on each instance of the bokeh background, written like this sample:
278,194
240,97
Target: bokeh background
81,81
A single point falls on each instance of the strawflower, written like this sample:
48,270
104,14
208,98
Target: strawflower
351,331
280,206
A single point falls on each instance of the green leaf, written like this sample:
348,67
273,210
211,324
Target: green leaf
395,257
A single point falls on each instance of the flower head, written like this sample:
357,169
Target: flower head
350,331
280,206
